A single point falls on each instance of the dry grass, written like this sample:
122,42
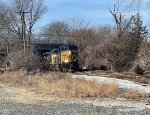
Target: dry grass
134,94
63,85
78,88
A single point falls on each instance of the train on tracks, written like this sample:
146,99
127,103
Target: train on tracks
58,57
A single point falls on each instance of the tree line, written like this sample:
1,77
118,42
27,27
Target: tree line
123,46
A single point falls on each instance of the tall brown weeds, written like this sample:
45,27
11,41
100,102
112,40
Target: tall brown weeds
63,85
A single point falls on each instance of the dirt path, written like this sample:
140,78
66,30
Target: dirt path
144,79
125,84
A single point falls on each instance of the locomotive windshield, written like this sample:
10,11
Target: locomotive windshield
55,51
68,47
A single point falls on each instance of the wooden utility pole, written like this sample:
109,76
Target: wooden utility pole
23,29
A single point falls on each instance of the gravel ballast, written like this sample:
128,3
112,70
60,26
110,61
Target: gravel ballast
67,108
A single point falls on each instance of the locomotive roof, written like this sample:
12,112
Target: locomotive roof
43,48
46,46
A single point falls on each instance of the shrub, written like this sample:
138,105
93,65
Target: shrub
133,94
23,60
124,52
138,70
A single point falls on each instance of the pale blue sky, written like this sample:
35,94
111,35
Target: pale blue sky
95,11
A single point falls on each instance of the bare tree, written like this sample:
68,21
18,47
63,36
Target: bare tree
80,30
122,21
125,45
144,56
57,32
21,16
77,23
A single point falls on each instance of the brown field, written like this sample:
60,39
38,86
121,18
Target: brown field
63,86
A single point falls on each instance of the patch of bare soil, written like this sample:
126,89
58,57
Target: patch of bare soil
23,95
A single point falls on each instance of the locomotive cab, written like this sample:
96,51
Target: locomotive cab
69,57
64,58
69,53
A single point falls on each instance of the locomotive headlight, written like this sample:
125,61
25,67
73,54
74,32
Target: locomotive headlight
66,60
69,52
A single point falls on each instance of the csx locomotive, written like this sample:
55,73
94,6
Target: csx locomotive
64,58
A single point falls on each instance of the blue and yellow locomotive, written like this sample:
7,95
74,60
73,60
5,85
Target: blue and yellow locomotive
64,58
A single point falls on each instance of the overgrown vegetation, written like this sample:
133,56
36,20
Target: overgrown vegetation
62,85
21,59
